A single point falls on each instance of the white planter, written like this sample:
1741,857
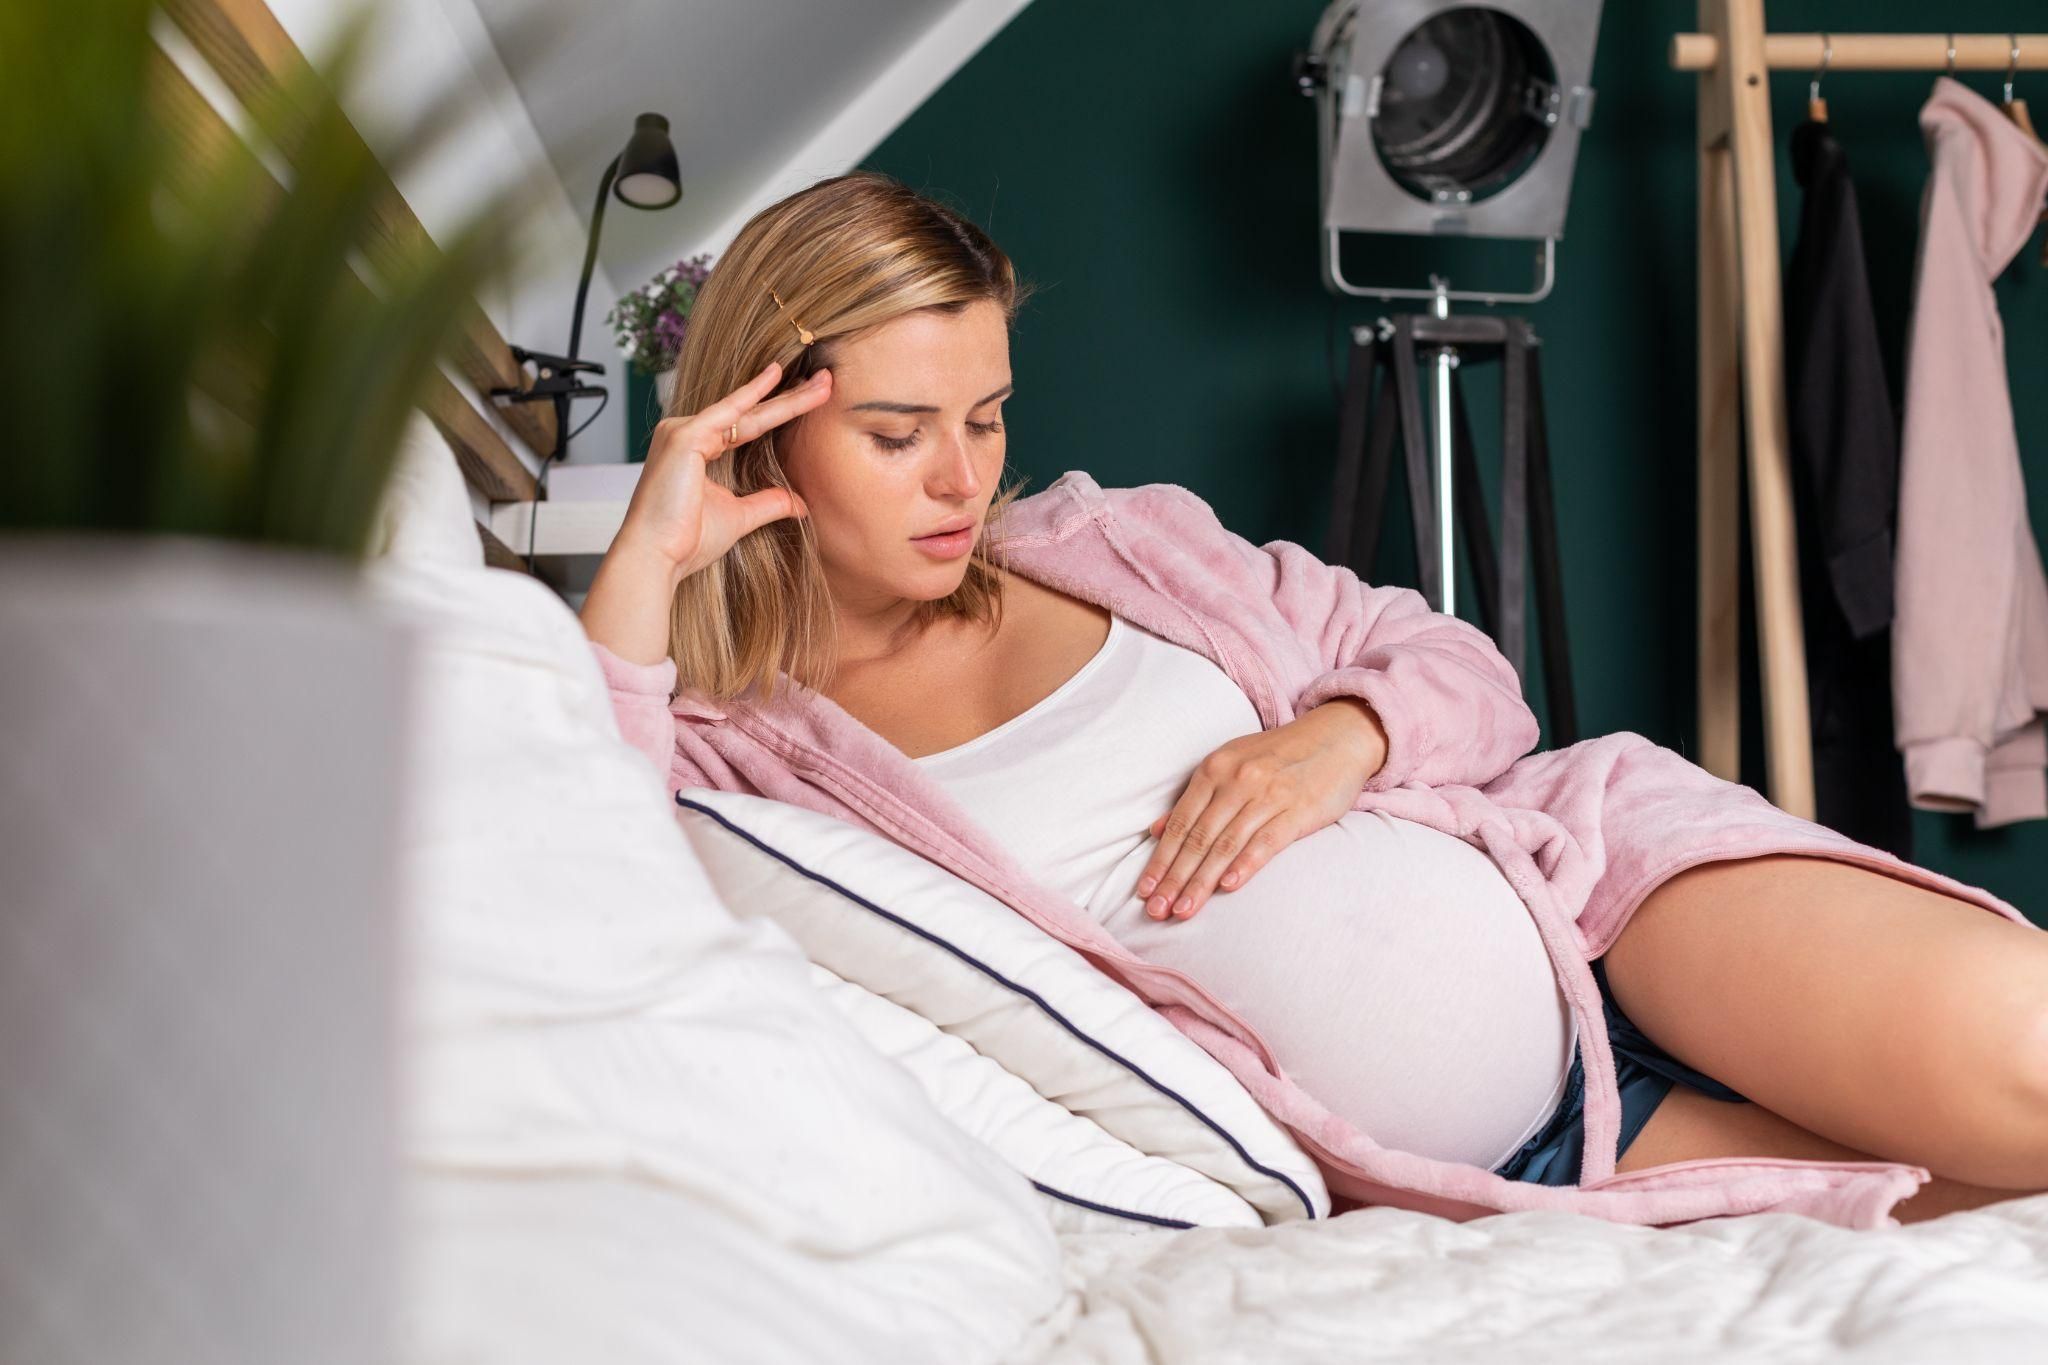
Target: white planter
198,939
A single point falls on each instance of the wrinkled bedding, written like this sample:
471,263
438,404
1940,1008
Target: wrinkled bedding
1386,1284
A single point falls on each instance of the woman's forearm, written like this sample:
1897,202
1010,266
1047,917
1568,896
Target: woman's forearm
630,599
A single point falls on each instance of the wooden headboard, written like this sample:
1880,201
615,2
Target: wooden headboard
251,54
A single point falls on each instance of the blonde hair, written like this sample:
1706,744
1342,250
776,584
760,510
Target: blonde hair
848,253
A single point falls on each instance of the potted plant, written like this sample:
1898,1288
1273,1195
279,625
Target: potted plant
206,719
649,323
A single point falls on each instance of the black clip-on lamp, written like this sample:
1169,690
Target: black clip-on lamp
646,176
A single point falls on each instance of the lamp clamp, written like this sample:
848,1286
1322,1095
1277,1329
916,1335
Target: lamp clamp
556,378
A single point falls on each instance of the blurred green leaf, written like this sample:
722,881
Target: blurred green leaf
192,347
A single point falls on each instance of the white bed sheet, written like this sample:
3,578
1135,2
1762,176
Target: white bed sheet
1383,1284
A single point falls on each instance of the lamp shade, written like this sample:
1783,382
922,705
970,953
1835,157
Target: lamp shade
649,177
1441,118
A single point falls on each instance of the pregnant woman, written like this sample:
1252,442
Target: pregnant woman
1201,744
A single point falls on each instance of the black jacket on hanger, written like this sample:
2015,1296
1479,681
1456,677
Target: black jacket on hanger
1845,477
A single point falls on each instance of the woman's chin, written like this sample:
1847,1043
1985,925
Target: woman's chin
934,586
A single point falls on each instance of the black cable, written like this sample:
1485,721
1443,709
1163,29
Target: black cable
541,484
602,399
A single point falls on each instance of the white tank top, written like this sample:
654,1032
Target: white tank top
1392,969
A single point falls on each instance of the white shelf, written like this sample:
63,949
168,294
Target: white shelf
598,481
560,527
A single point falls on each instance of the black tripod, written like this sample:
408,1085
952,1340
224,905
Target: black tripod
1365,448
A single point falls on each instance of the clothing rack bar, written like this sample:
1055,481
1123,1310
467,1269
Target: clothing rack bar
1872,51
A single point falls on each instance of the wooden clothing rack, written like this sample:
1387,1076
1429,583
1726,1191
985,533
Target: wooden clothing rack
1742,358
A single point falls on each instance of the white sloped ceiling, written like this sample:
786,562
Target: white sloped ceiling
762,97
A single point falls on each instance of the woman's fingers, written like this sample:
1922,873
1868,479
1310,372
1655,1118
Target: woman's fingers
1199,832
1169,828
778,410
739,417
757,509
734,405
1222,855
1179,887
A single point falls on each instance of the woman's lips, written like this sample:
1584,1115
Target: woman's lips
950,545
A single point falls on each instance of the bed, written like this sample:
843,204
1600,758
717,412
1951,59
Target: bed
693,1078
625,1145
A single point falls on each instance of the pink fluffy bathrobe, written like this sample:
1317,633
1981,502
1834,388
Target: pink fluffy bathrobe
1583,834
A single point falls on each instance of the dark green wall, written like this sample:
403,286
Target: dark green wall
1150,166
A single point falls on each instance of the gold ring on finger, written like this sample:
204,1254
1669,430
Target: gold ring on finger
732,435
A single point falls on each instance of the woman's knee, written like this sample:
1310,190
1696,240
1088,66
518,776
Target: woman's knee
1964,1088
2008,1049
2013,1152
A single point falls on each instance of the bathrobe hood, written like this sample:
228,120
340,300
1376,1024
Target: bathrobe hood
1581,833
1996,172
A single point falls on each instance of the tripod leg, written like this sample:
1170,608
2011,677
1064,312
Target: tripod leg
1557,663
1514,495
1379,468
1337,548
1472,515
1421,489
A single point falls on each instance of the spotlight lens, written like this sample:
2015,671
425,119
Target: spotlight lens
1418,69
1462,105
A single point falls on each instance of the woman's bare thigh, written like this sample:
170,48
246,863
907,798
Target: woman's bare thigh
1877,1014
1689,1126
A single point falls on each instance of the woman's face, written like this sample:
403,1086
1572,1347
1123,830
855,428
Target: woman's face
909,443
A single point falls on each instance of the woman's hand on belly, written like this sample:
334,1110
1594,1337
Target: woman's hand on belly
1253,797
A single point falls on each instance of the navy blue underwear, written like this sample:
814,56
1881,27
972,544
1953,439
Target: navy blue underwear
1646,1072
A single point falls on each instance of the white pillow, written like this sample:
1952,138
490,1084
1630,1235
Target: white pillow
637,1131
897,923
1091,1181
424,516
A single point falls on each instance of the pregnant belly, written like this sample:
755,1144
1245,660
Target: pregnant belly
1396,975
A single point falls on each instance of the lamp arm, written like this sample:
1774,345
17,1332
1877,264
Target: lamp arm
604,191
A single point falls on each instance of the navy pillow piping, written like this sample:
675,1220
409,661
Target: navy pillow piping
1114,1213
1034,997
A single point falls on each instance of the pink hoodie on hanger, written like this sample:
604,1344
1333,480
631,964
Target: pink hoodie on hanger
1583,834
1970,633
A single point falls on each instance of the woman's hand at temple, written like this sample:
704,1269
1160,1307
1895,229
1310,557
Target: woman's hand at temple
681,519
1256,795
679,515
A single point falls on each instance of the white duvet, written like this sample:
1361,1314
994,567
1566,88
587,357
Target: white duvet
1388,1285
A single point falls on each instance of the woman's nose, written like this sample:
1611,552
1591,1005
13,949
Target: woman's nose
957,476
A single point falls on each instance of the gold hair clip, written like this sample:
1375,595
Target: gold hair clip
801,330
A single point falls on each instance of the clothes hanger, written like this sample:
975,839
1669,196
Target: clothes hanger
2016,110
1816,107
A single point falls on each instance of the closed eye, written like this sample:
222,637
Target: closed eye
905,442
